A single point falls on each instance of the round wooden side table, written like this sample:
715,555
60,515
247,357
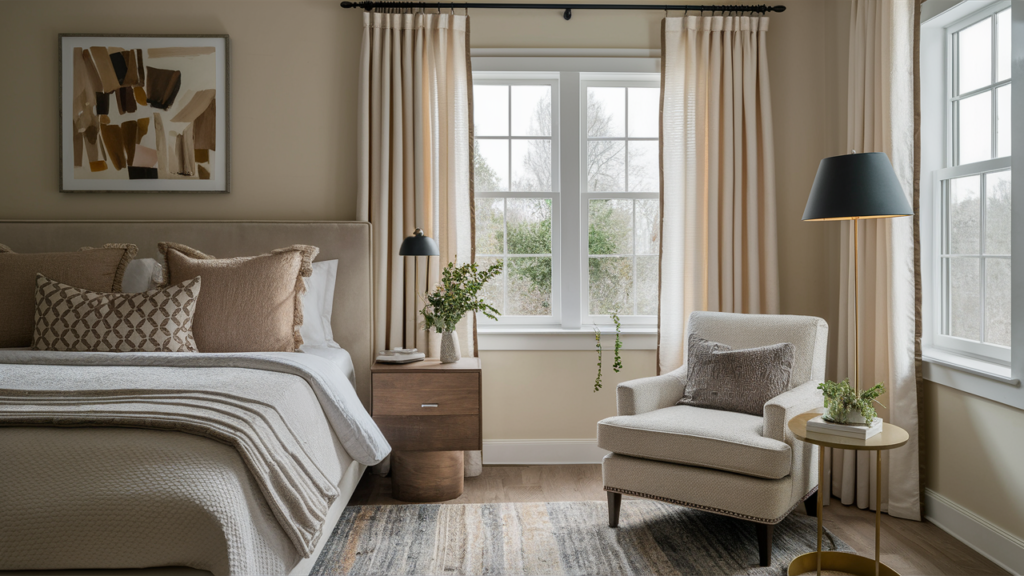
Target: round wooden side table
890,437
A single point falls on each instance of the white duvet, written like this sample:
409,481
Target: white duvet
224,462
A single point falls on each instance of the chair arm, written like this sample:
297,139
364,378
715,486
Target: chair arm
648,394
780,410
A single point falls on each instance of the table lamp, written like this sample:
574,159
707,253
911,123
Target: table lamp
856,187
419,245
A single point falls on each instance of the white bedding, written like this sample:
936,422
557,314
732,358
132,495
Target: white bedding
116,497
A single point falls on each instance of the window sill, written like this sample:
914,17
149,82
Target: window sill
557,338
973,376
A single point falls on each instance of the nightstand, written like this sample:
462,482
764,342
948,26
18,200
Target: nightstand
430,413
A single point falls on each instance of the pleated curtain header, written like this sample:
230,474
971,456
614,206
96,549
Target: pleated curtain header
414,21
717,23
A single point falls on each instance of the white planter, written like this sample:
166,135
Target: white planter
855,417
450,348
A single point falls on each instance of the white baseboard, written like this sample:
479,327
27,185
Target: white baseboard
571,451
987,539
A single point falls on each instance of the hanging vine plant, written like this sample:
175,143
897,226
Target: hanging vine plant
617,364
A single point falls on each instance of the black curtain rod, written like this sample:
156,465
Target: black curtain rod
568,8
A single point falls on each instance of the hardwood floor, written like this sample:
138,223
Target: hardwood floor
908,547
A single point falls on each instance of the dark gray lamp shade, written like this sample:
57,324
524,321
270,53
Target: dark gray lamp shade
856,186
419,245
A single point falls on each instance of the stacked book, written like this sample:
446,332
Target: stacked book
819,425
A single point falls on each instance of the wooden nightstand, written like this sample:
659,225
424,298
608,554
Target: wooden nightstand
430,413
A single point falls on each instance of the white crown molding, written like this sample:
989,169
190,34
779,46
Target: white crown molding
984,537
531,452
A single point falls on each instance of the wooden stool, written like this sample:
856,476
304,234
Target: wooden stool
426,476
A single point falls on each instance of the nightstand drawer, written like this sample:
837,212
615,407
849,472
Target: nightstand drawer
426,433
418,394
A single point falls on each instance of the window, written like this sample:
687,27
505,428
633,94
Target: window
516,185
620,174
566,179
972,231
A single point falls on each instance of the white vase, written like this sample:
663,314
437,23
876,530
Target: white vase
855,417
450,348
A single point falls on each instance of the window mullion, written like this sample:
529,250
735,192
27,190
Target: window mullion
572,252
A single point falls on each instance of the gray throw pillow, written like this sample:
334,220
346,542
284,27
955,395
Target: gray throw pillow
721,378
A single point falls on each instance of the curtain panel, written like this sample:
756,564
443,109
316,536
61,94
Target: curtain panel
718,230
882,117
414,164
415,170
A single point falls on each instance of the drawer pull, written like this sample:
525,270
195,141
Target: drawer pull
428,405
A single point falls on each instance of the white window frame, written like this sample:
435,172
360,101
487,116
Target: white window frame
952,170
531,79
970,369
571,329
603,80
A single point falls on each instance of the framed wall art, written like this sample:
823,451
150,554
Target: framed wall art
144,114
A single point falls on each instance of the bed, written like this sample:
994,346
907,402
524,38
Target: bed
143,493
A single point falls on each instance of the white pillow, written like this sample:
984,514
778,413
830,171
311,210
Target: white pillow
141,275
317,304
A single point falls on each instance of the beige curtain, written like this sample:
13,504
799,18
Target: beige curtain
718,249
881,118
414,167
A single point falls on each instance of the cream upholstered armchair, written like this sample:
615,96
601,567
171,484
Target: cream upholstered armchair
739,465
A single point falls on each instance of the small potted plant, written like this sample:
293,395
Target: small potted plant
844,406
457,294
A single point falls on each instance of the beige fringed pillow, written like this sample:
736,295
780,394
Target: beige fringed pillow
250,304
97,269
79,320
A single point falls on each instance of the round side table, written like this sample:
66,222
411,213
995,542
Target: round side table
890,437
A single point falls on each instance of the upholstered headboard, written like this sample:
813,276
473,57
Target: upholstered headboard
348,242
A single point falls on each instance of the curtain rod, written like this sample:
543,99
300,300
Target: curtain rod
568,8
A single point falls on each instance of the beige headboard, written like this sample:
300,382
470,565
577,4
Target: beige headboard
348,242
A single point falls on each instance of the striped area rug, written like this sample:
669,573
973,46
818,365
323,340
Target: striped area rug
555,538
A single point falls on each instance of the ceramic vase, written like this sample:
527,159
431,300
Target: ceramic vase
450,348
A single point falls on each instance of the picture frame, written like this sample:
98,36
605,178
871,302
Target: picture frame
144,113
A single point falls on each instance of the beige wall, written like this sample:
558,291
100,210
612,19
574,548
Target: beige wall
285,55
973,447
301,165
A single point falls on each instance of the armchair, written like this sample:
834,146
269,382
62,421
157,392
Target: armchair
739,465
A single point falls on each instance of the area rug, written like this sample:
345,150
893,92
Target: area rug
556,538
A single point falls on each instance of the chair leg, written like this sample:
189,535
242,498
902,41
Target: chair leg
764,542
811,504
614,502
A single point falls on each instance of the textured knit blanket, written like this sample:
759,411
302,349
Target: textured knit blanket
263,405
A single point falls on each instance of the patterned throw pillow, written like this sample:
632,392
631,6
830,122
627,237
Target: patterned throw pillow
721,378
79,320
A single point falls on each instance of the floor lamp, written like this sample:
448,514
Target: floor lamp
856,187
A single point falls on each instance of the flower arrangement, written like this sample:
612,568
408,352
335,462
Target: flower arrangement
841,400
456,295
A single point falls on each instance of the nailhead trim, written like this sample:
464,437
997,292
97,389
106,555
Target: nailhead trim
708,508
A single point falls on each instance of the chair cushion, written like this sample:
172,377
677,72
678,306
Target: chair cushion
727,441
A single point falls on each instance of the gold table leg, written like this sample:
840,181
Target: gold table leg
846,562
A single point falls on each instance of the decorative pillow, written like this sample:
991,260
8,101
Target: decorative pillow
251,304
78,320
142,274
721,378
318,304
98,269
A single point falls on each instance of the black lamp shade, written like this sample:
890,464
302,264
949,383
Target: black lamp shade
856,186
419,245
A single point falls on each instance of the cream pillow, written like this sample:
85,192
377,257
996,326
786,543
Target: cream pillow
318,304
98,269
79,320
249,304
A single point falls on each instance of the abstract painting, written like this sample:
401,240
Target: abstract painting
143,113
